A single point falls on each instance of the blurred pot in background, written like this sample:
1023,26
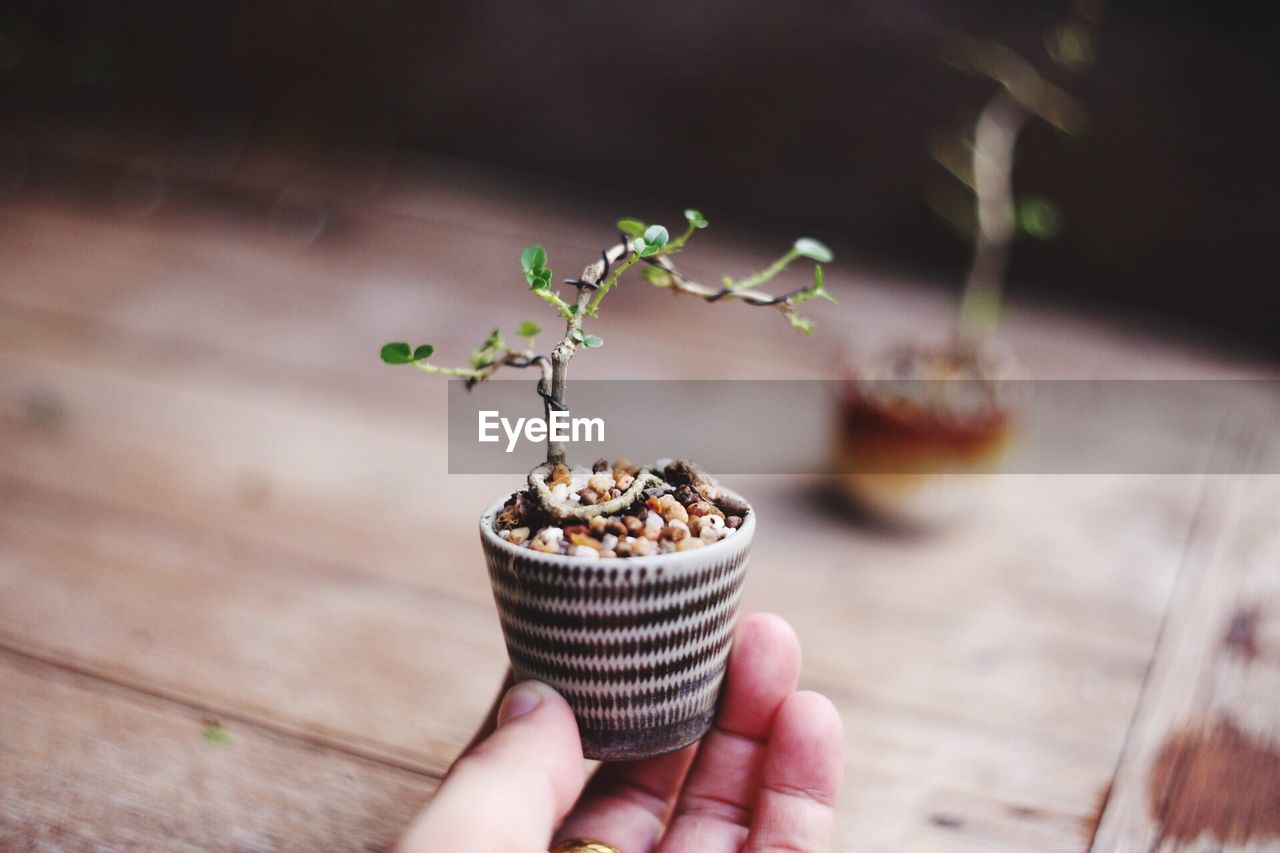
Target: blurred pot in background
919,430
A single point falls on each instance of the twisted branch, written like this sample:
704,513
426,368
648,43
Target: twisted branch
595,282
566,510
751,296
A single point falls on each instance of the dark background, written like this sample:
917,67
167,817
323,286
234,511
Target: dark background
813,115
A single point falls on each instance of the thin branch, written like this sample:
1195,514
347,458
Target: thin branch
562,353
508,358
597,279
995,139
469,373
553,298
1024,83
681,283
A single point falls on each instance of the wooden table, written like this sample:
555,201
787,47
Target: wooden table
242,605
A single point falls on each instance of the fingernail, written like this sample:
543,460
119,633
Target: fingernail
520,700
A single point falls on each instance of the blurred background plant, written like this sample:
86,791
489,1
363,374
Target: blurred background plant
990,214
901,438
294,112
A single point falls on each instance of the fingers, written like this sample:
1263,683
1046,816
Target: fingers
715,806
628,803
514,786
800,777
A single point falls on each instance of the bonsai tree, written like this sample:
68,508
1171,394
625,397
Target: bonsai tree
653,249
982,158
899,442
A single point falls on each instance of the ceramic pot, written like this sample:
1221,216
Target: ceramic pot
920,453
941,473
636,645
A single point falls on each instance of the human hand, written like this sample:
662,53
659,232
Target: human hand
764,778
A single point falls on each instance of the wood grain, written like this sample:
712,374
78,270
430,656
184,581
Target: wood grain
89,765
213,501
1202,763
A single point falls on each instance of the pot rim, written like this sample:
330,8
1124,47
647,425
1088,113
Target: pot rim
675,559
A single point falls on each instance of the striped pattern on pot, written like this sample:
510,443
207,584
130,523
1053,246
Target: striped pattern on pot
636,645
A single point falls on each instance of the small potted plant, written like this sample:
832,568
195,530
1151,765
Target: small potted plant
919,426
617,584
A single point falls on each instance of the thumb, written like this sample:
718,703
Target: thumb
509,791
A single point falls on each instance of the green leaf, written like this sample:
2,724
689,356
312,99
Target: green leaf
533,258
817,291
807,247
820,291
1038,218
397,353
696,219
528,329
656,276
216,735
631,227
654,238
573,309
801,324
483,356
593,341
423,352
577,335
538,283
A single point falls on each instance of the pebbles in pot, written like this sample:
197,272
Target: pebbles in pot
690,510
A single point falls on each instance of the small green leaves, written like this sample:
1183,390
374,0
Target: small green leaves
696,219
653,249
397,353
631,227
818,290
401,353
1071,46
651,242
216,735
585,339
657,276
801,324
1038,217
485,354
815,291
533,260
807,247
